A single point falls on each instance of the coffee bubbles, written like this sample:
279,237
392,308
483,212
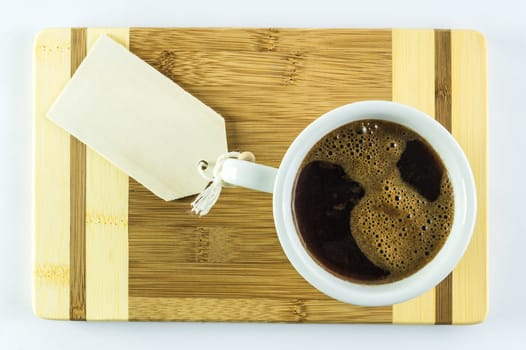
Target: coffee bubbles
394,197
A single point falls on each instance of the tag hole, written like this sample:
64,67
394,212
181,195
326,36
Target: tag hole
203,164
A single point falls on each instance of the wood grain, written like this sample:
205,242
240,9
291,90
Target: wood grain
469,112
106,225
444,301
77,242
147,259
443,77
254,310
414,85
264,40
284,88
268,85
51,179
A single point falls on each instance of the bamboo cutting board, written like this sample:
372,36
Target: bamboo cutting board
105,248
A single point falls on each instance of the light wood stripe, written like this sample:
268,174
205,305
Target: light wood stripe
106,225
414,85
51,179
469,109
444,302
254,309
77,199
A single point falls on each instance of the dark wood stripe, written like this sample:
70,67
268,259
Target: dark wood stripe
444,301
444,290
443,77
77,243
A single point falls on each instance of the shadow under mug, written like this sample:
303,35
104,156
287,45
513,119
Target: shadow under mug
281,182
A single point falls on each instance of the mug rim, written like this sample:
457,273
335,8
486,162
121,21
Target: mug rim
431,273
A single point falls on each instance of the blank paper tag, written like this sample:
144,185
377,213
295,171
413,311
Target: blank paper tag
140,120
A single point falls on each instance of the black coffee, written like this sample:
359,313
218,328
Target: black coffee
373,202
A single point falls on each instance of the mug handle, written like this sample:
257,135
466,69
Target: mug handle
251,175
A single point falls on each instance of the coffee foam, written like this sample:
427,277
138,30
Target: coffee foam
397,228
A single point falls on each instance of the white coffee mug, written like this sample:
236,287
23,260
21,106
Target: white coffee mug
280,182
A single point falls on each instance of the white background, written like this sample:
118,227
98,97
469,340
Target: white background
503,23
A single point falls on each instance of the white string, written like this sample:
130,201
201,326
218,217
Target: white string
209,196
